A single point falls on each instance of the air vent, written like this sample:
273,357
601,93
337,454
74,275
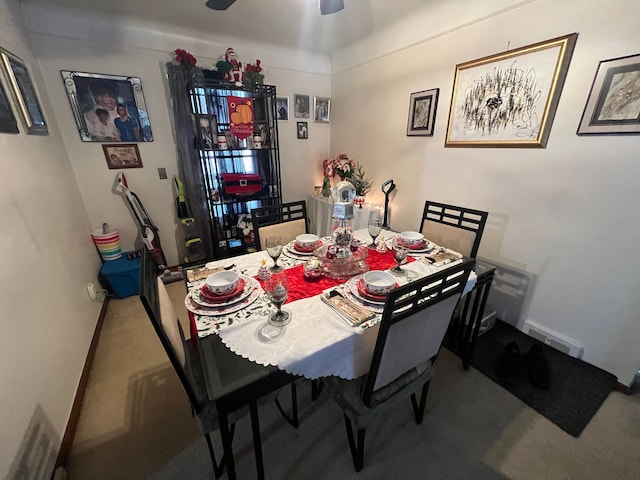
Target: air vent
553,339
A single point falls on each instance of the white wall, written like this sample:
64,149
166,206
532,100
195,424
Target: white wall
559,214
65,40
46,318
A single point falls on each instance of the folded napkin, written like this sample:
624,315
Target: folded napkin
442,257
352,313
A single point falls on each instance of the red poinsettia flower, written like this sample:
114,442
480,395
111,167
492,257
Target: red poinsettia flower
185,58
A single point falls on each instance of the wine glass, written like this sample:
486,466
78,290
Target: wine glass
400,252
277,288
274,249
374,226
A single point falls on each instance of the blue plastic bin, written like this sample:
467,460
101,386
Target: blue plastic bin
123,275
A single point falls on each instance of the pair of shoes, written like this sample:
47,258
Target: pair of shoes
511,364
538,369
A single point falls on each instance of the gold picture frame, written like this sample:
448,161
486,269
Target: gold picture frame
509,99
24,93
120,156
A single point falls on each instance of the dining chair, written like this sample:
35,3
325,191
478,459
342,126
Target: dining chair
237,383
414,321
457,228
288,220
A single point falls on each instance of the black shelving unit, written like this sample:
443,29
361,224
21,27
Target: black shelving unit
211,122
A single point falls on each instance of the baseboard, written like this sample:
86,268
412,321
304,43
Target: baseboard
74,417
621,387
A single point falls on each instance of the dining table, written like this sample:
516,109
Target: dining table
318,342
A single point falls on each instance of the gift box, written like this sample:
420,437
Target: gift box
240,183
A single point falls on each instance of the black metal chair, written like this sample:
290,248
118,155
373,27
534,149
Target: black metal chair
285,219
413,325
219,384
457,228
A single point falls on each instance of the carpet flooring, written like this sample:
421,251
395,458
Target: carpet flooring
578,389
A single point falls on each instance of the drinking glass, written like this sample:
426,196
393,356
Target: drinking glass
400,252
277,288
274,249
374,226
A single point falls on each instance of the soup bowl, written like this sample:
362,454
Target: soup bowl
222,283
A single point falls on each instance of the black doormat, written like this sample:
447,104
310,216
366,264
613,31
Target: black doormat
578,389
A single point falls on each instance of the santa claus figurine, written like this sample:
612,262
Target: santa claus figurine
231,67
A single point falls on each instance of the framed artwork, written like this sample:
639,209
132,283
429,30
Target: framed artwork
8,122
613,106
108,108
119,155
422,112
301,106
282,109
509,99
303,130
321,109
25,93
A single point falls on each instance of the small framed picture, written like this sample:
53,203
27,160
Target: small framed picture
8,122
24,93
613,106
303,130
122,156
422,112
282,109
321,109
301,106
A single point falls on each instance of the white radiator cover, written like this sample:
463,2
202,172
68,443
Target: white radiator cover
553,339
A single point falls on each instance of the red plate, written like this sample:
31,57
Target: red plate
418,246
300,249
221,298
362,290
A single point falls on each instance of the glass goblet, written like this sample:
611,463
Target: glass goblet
374,226
273,245
400,252
277,289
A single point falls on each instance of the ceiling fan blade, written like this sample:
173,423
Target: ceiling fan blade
219,4
331,6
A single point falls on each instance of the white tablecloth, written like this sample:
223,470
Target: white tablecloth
320,210
315,344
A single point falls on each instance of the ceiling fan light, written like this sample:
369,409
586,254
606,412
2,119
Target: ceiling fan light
331,6
219,4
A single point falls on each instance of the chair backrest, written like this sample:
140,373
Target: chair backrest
414,321
159,308
285,219
457,228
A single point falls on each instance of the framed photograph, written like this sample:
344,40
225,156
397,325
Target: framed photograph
282,109
509,99
25,93
321,109
422,112
301,106
303,130
119,156
206,131
108,108
8,122
613,106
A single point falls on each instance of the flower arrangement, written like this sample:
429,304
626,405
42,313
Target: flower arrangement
185,58
245,224
252,73
341,165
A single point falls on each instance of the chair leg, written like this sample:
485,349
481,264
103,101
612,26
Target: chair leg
357,450
293,419
227,461
418,410
316,389
257,439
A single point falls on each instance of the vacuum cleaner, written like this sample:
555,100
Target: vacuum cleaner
190,231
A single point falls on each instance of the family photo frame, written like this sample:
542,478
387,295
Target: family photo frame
301,105
108,108
8,123
122,156
302,129
509,99
613,105
321,109
282,109
24,92
422,112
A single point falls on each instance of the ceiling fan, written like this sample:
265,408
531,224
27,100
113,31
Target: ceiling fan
326,6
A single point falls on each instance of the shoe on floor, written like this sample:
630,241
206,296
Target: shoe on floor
509,366
538,368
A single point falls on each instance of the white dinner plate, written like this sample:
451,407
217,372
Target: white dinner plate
427,248
216,312
196,294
